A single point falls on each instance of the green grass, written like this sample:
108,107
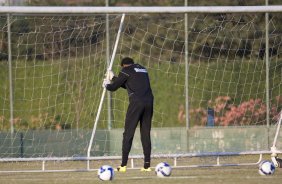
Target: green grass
196,175
230,175
47,93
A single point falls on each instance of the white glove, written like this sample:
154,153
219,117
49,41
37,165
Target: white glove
105,83
109,75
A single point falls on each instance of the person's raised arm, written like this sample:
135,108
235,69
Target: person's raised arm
117,82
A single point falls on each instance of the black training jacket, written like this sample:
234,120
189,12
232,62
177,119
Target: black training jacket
135,79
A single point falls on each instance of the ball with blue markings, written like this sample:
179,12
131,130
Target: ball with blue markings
266,168
163,169
106,173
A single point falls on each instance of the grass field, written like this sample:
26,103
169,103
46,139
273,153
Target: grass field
242,175
181,175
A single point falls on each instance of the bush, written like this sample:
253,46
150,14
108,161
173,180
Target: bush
251,112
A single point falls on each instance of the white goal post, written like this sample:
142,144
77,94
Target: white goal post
153,9
104,91
212,66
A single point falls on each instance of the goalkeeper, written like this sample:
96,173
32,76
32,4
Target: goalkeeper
135,79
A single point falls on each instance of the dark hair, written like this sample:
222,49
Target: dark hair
126,61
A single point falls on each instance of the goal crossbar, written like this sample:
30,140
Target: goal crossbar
154,9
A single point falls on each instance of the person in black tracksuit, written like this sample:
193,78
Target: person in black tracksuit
135,79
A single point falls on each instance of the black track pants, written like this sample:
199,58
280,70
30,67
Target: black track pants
143,112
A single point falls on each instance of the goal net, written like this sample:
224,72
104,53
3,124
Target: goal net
216,79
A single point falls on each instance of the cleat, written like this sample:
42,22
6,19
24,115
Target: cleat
279,162
121,169
146,170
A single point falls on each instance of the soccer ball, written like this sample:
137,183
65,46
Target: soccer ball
163,169
266,168
106,173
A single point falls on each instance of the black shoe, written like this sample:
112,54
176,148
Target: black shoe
279,162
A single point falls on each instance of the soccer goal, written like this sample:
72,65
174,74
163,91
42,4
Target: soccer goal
215,73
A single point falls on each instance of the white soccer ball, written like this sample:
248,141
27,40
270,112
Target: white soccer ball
163,169
266,168
106,173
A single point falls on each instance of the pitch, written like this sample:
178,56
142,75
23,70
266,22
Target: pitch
230,175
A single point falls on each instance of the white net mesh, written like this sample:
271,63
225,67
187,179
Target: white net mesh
58,64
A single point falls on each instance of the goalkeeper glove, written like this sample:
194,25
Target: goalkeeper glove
106,82
109,75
